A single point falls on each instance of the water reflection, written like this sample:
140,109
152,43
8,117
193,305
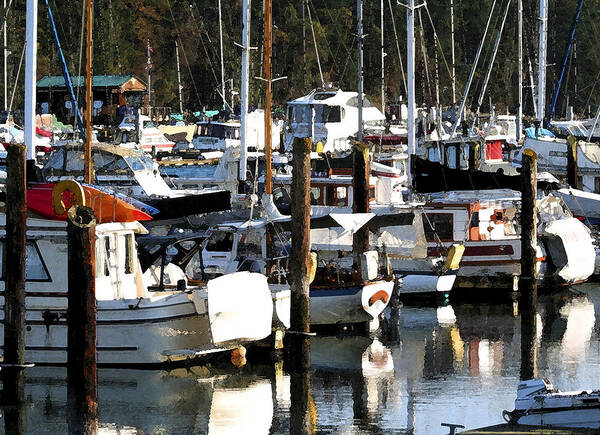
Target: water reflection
455,364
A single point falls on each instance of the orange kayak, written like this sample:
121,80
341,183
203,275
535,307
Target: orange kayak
107,207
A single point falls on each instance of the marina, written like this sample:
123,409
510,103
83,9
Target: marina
356,248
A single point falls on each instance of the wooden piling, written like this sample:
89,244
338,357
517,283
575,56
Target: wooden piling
572,169
528,278
300,253
82,398
360,204
14,291
298,339
14,256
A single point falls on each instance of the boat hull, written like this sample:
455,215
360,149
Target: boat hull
588,417
357,304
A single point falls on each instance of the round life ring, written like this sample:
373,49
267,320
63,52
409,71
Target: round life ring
61,187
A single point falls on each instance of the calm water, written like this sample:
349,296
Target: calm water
453,364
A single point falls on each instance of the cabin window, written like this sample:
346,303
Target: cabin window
597,185
220,242
128,251
438,226
330,195
332,114
371,193
301,113
35,268
107,163
315,196
342,196
106,259
579,182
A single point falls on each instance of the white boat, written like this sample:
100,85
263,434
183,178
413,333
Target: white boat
217,135
539,403
330,118
335,296
135,326
145,134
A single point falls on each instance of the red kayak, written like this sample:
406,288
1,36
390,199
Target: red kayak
107,208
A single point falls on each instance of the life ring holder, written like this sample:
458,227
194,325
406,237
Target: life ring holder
63,186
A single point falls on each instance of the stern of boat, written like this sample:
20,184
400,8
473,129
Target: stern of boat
375,296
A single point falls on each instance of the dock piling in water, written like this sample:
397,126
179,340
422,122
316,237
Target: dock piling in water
14,291
300,263
528,278
82,395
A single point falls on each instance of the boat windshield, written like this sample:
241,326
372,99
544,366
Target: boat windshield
149,124
139,163
220,131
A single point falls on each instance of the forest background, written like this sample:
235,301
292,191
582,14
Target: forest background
122,29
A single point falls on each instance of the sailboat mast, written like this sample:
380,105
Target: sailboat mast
268,122
410,69
452,47
520,70
5,59
87,174
179,87
382,65
149,68
222,60
30,76
359,32
244,88
542,59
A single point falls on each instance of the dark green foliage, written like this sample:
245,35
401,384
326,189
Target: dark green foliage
122,28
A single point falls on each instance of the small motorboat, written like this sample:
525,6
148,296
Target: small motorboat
539,403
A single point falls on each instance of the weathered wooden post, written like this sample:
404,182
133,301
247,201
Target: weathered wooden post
528,278
299,344
300,253
14,291
82,397
572,162
360,204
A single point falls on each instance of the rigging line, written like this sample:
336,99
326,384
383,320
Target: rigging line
398,44
80,50
348,60
312,28
424,51
184,54
12,97
342,41
208,56
6,11
437,40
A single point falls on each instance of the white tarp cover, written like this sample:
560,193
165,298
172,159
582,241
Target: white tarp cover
578,247
404,240
239,307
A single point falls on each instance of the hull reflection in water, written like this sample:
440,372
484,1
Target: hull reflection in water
458,364
141,401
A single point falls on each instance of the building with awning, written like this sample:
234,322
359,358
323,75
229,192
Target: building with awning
109,92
